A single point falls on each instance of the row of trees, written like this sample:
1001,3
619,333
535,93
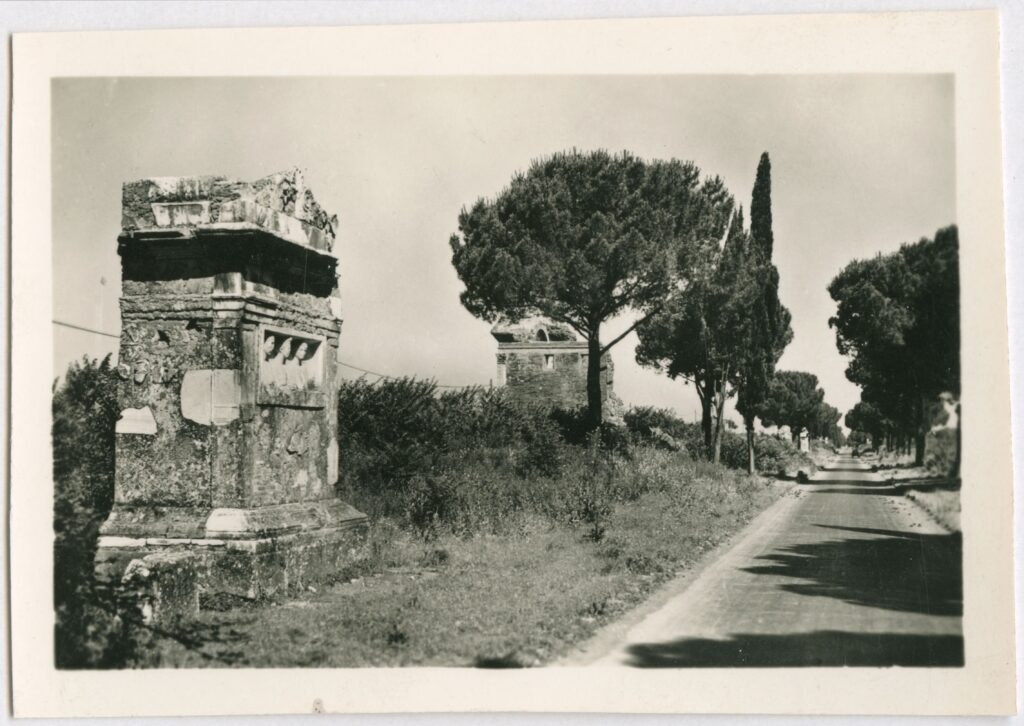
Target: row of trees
726,331
898,320
582,237
795,400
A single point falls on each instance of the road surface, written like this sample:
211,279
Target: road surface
838,572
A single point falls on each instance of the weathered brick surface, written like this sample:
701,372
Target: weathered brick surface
539,360
280,203
552,375
165,585
228,382
255,568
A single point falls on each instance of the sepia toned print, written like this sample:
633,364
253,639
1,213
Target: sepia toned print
268,500
652,384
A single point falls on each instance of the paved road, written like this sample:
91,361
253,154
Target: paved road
838,572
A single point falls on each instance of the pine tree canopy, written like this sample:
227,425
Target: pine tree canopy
582,236
898,318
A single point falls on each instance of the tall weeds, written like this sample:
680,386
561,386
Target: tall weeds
432,462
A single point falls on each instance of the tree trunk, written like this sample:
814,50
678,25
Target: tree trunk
594,414
719,423
705,421
921,433
919,444
748,421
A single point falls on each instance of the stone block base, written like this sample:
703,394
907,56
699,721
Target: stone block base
165,586
255,567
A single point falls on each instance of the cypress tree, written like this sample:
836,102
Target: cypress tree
770,330
761,208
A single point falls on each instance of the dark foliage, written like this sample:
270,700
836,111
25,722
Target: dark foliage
772,455
768,327
90,631
727,330
466,459
795,400
761,208
898,321
580,237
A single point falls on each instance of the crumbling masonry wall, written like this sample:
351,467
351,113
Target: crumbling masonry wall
556,375
539,360
227,441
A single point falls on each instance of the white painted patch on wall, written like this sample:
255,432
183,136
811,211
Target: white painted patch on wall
136,421
211,396
332,461
227,521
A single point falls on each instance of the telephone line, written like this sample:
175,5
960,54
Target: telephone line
347,365
394,378
85,329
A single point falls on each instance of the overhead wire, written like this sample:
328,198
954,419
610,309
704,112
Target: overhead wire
343,363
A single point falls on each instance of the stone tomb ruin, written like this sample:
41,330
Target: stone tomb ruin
542,360
226,448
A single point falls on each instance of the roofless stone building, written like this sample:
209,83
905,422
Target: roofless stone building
226,448
542,360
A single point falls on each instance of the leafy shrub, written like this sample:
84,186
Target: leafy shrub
574,428
406,448
478,460
771,455
940,451
643,420
777,455
93,629
395,429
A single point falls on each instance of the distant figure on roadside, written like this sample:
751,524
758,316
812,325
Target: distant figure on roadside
951,407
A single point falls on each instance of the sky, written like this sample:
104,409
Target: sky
860,164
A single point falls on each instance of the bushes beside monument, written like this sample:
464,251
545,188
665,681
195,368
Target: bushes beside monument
89,629
436,463
476,459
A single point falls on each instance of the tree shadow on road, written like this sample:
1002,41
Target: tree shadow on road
849,486
888,569
826,648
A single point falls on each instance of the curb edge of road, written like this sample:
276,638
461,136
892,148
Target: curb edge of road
908,495
605,638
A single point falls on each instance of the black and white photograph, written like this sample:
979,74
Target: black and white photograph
588,373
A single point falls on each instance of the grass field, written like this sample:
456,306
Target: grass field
521,598
501,532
